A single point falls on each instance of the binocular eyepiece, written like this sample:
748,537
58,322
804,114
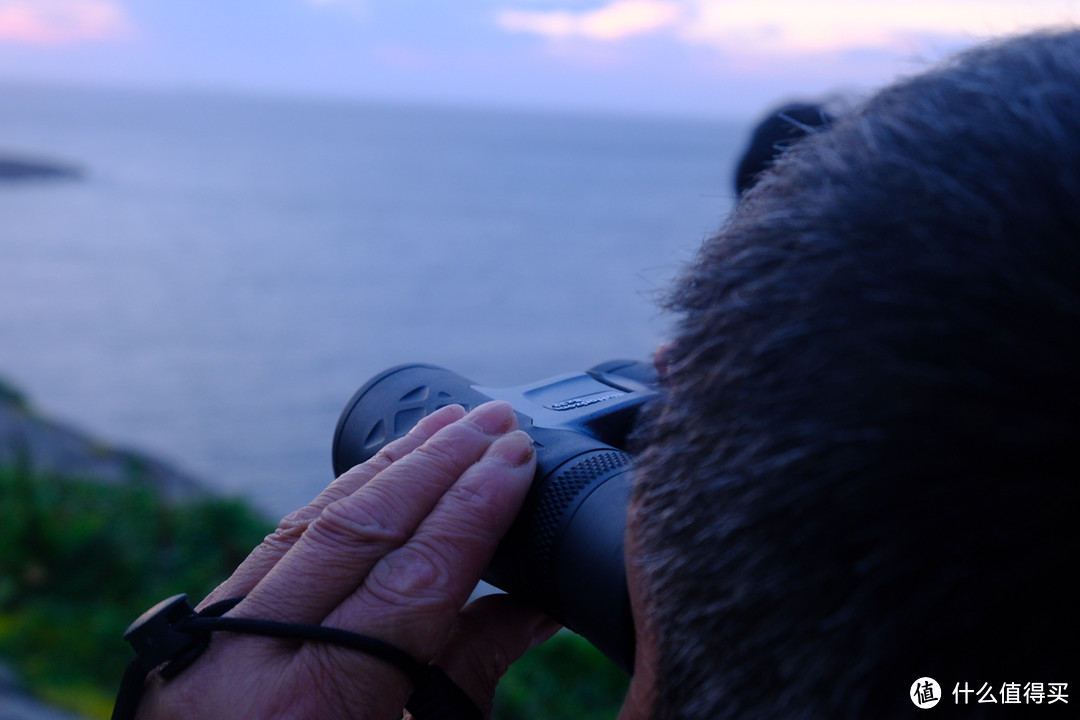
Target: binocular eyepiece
564,551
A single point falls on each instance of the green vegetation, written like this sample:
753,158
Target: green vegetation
79,560
566,677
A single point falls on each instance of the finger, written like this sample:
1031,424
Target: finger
353,479
412,595
332,558
267,554
490,634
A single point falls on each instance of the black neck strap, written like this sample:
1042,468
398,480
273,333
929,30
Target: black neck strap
171,635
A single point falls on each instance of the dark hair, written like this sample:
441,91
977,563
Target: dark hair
864,467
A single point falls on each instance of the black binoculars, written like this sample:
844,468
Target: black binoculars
564,551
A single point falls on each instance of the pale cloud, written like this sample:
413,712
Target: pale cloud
797,27
615,21
60,22
793,27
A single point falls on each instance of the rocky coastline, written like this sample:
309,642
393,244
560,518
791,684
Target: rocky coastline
49,447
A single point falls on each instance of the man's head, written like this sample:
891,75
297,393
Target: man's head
863,468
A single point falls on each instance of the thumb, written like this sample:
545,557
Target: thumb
491,633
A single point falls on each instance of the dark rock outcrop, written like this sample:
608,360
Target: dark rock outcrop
12,168
46,446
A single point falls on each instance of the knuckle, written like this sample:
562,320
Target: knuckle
415,577
288,531
294,524
383,459
354,523
275,545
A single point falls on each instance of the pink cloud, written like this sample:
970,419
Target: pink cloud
614,21
61,22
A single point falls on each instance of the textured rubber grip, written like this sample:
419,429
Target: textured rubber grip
559,495
387,406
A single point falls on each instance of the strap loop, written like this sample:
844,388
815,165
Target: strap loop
158,636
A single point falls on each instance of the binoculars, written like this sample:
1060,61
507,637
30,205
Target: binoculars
564,551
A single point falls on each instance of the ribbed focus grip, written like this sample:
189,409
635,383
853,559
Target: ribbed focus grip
565,551
560,496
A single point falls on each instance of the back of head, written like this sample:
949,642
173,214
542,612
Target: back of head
864,468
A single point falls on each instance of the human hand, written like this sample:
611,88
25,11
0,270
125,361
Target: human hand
392,550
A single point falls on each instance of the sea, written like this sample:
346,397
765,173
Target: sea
227,270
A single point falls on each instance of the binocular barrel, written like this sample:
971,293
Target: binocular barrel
564,551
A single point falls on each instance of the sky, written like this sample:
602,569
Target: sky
709,58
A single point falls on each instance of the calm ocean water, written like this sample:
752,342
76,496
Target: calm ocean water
231,269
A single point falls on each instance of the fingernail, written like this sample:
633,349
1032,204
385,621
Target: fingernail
494,418
513,450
